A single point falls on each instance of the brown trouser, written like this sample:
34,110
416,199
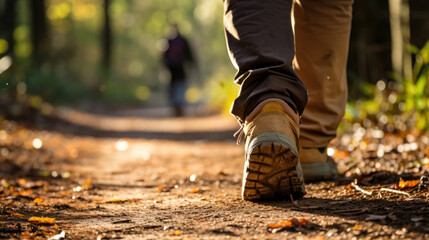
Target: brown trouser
262,44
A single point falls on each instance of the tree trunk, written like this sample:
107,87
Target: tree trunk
39,29
405,28
106,37
400,32
8,25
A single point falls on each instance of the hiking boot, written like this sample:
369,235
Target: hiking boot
317,165
272,169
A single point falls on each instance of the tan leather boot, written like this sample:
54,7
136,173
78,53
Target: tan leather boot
317,165
272,169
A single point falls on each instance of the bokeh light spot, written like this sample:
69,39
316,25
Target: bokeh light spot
37,143
193,95
142,93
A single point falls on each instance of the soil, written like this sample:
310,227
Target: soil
140,174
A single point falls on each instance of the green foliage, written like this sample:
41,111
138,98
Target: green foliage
222,91
401,105
415,92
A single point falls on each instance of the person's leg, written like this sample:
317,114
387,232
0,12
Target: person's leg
177,96
322,31
261,46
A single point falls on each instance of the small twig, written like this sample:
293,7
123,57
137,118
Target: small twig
395,191
360,189
293,202
353,210
122,221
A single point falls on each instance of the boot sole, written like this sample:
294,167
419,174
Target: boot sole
272,169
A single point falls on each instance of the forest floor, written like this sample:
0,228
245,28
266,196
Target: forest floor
137,173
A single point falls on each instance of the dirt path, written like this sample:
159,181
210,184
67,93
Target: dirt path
128,176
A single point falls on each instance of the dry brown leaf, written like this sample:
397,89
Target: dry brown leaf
303,221
22,181
176,233
195,190
287,224
26,235
22,193
42,220
14,213
358,227
282,224
407,184
38,200
115,201
87,184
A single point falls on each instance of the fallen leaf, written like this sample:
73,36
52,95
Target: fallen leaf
42,220
358,227
275,227
26,235
115,201
38,200
22,181
14,213
195,190
303,221
23,193
87,184
158,200
282,224
176,233
407,184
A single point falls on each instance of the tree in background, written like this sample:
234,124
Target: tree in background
399,11
8,22
106,36
39,30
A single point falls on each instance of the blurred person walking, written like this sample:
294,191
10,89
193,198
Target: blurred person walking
278,59
175,57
